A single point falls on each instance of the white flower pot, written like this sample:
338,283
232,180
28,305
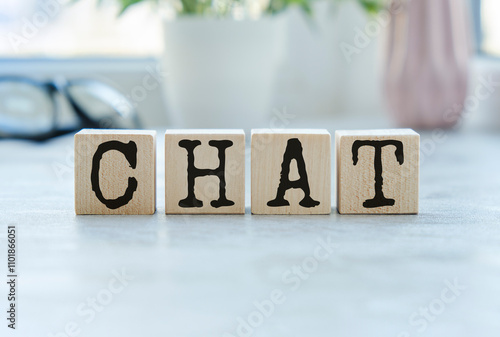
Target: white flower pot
220,73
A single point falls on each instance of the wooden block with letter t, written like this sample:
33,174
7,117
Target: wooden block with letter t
291,171
115,172
377,171
205,172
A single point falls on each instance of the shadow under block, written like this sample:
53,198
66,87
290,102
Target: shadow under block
115,172
377,171
205,172
291,171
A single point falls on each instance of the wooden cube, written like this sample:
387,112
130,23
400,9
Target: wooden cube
115,172
205,172
377,171
291,171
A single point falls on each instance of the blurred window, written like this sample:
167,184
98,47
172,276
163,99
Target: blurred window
489,39
69,28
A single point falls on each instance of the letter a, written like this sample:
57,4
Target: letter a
293,151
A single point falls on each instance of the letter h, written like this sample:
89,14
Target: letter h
193,172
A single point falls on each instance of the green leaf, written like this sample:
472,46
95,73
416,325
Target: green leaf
278,6
126,4
372,6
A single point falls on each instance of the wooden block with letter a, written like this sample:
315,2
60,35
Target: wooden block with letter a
115,172
377,171
291,171
205,172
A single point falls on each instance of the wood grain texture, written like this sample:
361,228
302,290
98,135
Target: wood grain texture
268,155
206,156
356,183
115,171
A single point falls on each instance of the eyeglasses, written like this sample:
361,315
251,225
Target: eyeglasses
31,109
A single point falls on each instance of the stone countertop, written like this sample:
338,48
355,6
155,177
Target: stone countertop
432,274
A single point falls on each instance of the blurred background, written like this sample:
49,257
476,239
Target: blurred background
226,63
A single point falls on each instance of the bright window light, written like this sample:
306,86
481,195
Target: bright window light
67,28
490,25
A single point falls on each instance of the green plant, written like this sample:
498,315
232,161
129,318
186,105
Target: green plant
372,6
222,7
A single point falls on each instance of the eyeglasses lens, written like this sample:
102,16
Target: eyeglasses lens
25,109
103,105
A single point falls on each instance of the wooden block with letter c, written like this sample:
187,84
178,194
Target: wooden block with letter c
115,172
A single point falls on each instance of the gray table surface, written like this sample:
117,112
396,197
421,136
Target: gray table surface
432,274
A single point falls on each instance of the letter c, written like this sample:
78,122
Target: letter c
129,150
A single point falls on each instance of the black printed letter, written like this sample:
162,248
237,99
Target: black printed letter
379,200
193,173
130,152
293,151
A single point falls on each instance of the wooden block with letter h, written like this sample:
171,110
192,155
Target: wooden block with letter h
291,171
377,171
115,172
204,172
